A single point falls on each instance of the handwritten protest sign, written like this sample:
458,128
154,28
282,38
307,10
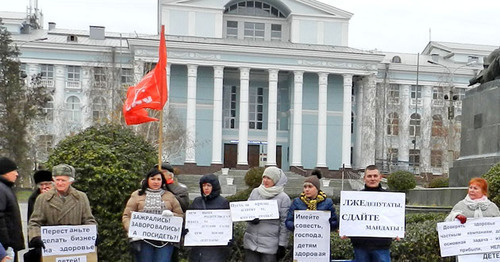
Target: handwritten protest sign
479,235
155,227
311,237
72,259
208,228
68,240
248,210
372,214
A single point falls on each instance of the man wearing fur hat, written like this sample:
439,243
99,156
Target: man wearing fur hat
11,231
43,181
179,190
62,205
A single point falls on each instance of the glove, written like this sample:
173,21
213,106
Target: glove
135,246
462,218
37,242
96,240
281,252
167,213
230,243
184,231
255,221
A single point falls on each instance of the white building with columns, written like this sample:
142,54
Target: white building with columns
261,83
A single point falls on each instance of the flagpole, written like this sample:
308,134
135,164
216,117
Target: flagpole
160,138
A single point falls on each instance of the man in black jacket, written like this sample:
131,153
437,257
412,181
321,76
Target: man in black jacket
11,231
372,249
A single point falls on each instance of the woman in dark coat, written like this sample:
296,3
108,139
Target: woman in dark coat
210,199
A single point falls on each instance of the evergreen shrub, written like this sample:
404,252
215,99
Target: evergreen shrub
493,178
401,181
110,162
439,182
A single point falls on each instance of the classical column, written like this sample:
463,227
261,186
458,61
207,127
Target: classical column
404,126
322,120
272,117
297,119
58,112
368,124
346,121
166,110
243,122
425,130
358,126
191,114
217,116
86,85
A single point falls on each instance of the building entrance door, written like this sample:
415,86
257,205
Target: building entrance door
230,155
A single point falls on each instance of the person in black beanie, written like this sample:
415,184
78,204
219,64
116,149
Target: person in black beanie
11,231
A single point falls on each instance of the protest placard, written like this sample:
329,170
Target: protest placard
486,257
68,240
311,236
479,235
155,227
208,227
372,214
248,210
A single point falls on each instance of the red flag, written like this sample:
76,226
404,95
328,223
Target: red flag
151,92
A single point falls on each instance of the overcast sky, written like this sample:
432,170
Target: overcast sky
386,25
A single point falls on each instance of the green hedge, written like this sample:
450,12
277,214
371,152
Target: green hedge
401,181
493,178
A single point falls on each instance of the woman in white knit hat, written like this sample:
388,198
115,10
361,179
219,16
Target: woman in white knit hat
265,240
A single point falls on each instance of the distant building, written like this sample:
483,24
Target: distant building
259,82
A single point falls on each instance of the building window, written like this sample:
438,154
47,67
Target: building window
73,77
98,109
396,59
232,29
394,94
416,95
256,8
415,124
72,38
256,108
436,158
275,32
393,124
100,77
73,110
127,76
392,155
472,59
254,30
437,125
48,110
437,96
414,157
47,73
148,66
230,103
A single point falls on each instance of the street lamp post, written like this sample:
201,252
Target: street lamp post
451,97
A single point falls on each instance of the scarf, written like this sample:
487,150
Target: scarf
478,205
313,203
154,204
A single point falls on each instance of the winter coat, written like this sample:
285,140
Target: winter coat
468,207
266,236
372,243
213,201
181,193
298,204
11,229
136,204
31,202
51,210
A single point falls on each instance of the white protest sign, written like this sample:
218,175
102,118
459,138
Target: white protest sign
486,257
372,214
72,259
311,237
208,227
155,227
68,240
248,210
479,235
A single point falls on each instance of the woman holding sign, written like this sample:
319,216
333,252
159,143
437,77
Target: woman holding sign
265,240
210,199
475,204
312,198
151,198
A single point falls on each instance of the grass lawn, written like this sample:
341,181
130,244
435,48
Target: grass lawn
23,195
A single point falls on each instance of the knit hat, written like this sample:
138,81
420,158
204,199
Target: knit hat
7,165
42,176
314,178
273,173
63,170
